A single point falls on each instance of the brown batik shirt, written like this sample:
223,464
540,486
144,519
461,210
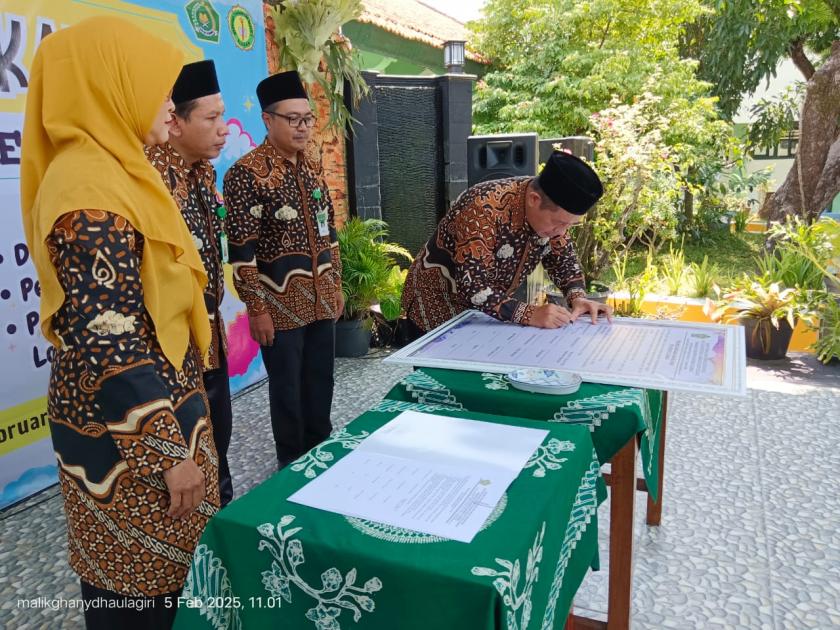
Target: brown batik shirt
282,265
194,190
480,253
120,415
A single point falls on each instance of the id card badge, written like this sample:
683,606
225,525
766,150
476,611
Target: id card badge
221,213
323,226
223,242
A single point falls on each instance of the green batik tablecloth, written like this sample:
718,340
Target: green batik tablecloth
613,413
264,562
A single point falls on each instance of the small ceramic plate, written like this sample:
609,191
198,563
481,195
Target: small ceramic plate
542,381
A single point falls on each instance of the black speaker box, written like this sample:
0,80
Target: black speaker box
580,146
501,155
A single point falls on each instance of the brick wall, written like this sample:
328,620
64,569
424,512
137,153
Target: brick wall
329,145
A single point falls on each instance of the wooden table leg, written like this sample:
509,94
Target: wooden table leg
622,499
584,623
654,509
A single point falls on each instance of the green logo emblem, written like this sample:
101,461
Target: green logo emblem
241,27
204,19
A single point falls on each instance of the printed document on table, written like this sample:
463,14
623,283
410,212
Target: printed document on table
432,474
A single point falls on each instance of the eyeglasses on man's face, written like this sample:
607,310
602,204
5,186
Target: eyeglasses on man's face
294,120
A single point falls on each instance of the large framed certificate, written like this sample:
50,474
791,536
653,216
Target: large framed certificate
653,354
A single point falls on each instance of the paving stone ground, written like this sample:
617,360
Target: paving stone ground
749,535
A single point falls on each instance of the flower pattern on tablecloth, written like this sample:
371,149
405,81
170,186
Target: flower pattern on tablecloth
319,458
594,410
546,456
395,406
207,581
427,390
583,510
495,381
337,592
518,604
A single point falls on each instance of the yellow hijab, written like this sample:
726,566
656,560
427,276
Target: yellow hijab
94,92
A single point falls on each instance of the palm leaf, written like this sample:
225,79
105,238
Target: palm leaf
307,33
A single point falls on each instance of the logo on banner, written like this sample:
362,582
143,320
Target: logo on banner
204,19
241,27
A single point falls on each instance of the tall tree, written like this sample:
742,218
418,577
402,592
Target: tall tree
814,179
740,43
556,62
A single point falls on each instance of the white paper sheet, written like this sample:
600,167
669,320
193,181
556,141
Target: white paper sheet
433,474
680,356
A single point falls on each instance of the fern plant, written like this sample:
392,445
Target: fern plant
637,288
619,269
827,346
390,299
790,268
370,272
703,278
820,244
741,219
674,270
307,32
800,255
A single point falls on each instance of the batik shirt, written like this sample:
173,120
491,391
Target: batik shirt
194,190
120,415
480,253
282,265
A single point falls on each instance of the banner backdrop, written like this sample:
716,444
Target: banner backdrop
230,33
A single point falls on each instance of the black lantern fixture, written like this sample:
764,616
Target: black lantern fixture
453,56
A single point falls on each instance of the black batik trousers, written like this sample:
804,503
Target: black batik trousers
301,371
217,384
107,610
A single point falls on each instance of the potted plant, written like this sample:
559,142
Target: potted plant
370,276
819,245
827,346
386,313
766,309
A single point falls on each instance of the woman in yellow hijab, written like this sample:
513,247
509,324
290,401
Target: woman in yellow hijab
121,298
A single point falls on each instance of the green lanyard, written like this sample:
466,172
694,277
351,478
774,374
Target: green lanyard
321,215
221,212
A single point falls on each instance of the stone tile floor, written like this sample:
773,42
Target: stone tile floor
750,536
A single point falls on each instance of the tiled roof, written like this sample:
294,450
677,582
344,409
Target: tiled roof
411,19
